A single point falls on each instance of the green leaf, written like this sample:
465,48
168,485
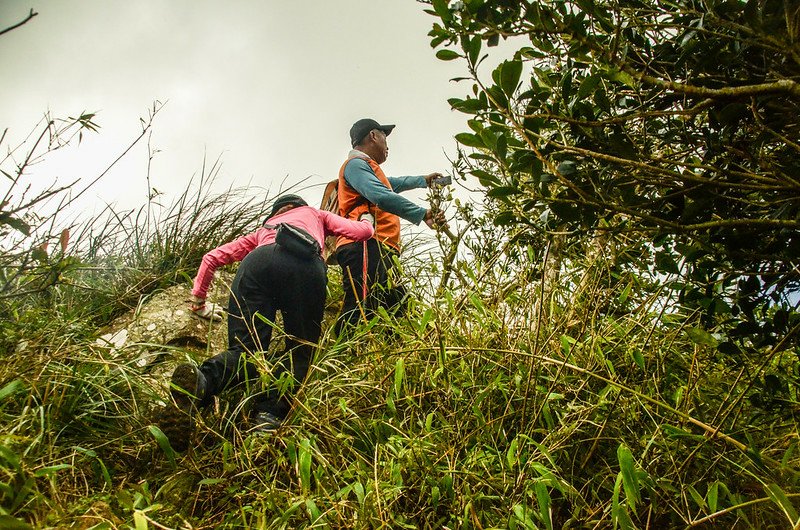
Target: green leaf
470,140
468,106
543,498
696,497
163,443
677,432
623,296
304,463
618,512
510,72
503,191
587,86
441,9
713,496
566,85
511,454
399,374
489,138
486,179
501,146
498,97
313,511
566,345
473,48
622,77
630,479
601,100
212,481
447,55
140,520
51,470
587,6
701,336
11,458
521,513
8,522
638,358
567,168
11,388
426,317
778,496
666,263
358,489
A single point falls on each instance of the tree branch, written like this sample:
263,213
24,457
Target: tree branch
781,86
692,111
18,24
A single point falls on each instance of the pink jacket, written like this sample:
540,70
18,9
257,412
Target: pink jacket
318,223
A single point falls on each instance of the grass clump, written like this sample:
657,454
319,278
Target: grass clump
501,399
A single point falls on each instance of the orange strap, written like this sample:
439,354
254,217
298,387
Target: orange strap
364,273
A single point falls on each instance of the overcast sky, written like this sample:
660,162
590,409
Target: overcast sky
272,86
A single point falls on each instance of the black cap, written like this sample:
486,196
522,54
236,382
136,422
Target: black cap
362,127
283,200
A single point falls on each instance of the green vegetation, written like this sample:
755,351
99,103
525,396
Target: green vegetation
599,345
615,411
670,122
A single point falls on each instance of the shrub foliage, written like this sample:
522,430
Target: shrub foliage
606,341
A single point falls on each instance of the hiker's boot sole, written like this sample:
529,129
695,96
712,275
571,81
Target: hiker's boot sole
264,423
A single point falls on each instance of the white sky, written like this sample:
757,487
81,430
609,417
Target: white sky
272,86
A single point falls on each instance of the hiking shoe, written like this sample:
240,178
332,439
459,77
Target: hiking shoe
265,422
189,385
188,389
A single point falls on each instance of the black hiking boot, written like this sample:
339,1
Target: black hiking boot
188,390
265,422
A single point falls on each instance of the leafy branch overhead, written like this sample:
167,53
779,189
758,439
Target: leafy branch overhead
673,120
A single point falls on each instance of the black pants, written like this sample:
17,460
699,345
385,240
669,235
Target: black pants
383,289
270,279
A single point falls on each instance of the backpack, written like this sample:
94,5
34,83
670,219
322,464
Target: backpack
330,203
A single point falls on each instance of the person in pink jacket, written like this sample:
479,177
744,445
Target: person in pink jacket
270,278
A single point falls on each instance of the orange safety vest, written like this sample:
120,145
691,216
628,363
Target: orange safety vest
352,205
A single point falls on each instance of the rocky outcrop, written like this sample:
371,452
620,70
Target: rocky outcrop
163,322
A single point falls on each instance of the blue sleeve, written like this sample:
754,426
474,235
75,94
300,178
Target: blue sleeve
361,178
401,184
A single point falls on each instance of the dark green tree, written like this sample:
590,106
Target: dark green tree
673,120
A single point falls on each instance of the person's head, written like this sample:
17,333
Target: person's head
284,203
369,136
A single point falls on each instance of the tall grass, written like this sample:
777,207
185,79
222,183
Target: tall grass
471,411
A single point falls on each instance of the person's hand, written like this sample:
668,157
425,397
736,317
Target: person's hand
208,311
430,178
435,219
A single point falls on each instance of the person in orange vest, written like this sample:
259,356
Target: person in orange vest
365,192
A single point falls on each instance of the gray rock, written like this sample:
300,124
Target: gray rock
163,322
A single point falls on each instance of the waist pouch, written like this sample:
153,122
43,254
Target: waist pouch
296,241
